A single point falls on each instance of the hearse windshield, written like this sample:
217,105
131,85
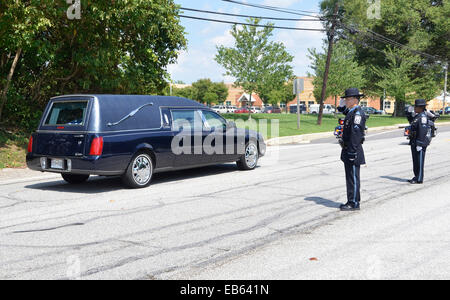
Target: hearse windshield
67,113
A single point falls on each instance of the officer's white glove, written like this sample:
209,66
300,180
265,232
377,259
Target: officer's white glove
352,157
419,148
342,102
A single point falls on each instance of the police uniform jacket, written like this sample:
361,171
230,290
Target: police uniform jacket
354,130
419,130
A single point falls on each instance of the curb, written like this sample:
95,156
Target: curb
25,176
306,138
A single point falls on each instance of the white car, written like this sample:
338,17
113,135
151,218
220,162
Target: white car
257,110
220,109
327,109
231,109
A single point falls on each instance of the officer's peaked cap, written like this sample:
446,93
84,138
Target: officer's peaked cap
353,92
420,102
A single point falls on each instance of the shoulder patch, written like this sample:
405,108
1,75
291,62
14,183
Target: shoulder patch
358,119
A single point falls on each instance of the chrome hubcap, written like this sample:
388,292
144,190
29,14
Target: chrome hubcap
142,170
251,155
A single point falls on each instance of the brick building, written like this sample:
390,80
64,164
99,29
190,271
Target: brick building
239,98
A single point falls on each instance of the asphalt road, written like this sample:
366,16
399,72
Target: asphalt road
280,221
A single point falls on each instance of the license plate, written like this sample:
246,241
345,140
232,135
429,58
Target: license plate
57,164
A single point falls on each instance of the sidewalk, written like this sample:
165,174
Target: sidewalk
22,174
306,138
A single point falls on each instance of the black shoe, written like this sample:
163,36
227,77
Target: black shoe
350,207
414,181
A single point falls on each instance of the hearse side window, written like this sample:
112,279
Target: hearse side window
213,120
186,119
67,113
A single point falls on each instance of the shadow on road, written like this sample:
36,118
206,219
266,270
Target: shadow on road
97,184
394,178
324,202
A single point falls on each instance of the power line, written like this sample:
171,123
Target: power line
247,16
403,46
292,11
253,25
382,39
366,45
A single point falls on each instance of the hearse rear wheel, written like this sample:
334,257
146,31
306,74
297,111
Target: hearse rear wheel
140,171
249,160
75,179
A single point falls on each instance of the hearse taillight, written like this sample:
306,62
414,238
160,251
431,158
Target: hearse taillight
96,147
30,145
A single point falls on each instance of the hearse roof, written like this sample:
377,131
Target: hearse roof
156,100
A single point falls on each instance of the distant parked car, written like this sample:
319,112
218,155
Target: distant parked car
293,109
447,111
371,111
242,110
328,109
220,109
256,110
272,110
231,109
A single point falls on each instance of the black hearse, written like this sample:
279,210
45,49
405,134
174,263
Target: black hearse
135,137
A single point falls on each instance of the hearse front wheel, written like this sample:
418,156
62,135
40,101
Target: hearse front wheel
75,179
140,171
249,160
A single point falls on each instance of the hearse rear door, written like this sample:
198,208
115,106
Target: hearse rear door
62,131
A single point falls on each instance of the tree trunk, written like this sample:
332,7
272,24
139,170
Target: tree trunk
327,65
8,81
335,106
399,108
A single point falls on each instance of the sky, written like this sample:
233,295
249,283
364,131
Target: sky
197,62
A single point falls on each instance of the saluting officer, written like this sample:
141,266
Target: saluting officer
352,151
419,140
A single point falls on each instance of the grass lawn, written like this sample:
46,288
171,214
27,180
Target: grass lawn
13,147
13,143
308,123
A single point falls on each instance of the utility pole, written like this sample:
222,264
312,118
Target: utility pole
445,88
299,88
331,35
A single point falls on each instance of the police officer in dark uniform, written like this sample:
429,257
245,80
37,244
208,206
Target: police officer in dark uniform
419,140
352,151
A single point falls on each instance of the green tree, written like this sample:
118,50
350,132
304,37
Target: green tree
395,78
202,87
210,98
221,90
282,95
20,22
257,63
420,25
187,92
116,47
345,72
